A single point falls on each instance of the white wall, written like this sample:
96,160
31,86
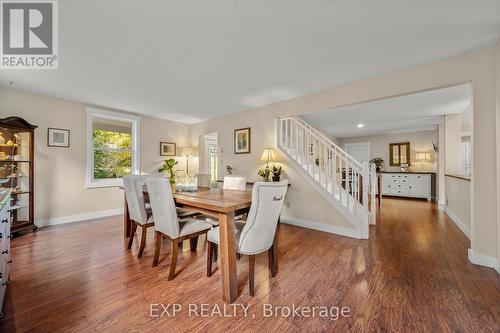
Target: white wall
478,68
458,202
420,141
497,60
60,172
452,141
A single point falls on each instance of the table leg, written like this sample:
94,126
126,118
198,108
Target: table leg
228,257
126,217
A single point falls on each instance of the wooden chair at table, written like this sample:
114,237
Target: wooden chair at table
137,210
257,234
167,223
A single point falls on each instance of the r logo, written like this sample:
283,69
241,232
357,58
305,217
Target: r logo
27,28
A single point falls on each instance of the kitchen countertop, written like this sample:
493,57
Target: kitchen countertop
412,172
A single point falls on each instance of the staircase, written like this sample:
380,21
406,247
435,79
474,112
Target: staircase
344,182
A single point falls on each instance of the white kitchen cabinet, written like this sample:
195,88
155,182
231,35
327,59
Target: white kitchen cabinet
408,184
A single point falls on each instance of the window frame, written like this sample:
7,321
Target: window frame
94,113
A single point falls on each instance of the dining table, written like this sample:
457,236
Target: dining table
222,205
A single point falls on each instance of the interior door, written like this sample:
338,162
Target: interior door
360,151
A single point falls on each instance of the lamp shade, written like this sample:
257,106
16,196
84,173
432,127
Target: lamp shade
267,155
423,157
187,151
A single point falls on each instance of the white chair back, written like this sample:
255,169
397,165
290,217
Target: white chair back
267,202
204,179
163,206
135,199
235,183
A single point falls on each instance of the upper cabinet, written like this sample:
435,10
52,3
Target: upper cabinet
399,154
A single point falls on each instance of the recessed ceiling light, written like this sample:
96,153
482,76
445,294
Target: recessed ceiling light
361,125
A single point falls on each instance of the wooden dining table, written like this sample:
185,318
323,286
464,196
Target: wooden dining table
223,205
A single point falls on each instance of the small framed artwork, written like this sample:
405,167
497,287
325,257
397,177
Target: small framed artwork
242,141
168,149
57,137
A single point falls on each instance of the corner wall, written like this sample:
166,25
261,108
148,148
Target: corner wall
60,192
478,68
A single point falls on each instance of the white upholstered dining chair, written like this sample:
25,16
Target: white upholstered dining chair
137,210
234,183
230,183
257,234
167,224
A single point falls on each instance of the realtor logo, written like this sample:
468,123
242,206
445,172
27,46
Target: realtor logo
28,34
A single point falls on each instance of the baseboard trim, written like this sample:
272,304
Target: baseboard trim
348,232
481,259
458,222
79,218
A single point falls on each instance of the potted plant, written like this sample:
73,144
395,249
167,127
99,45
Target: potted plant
277,171
264,173
168,166
379,163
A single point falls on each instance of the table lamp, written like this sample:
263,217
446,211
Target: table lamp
187,152
267,156
423,157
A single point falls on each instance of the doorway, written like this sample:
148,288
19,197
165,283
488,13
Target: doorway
360,151
210,155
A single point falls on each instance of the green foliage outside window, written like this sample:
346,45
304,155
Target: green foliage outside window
112,154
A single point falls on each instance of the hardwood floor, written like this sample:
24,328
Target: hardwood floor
411,276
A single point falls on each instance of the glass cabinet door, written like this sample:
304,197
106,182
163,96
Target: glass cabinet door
15,172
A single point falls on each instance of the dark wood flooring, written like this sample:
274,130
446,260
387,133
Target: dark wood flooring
411,276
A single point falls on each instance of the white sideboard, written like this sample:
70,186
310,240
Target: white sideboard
408,184
4,244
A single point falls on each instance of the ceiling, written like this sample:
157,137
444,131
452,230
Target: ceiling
416,112
193,60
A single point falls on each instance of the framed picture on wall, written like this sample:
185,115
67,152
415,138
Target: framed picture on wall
57,137
168,149
242,141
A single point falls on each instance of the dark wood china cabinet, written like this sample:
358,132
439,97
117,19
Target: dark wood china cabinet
16,170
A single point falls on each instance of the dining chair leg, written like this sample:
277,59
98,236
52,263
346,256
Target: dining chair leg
157,248
251,274
215,252
175,252
238,255
132,235
271,261
193,243
210,247
143,240
180,244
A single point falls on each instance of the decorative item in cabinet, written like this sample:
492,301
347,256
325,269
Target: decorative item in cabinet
16,170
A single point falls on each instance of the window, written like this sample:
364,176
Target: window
112,147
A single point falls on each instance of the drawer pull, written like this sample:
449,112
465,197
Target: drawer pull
10,261
5,221
1,235
6,283
5,252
